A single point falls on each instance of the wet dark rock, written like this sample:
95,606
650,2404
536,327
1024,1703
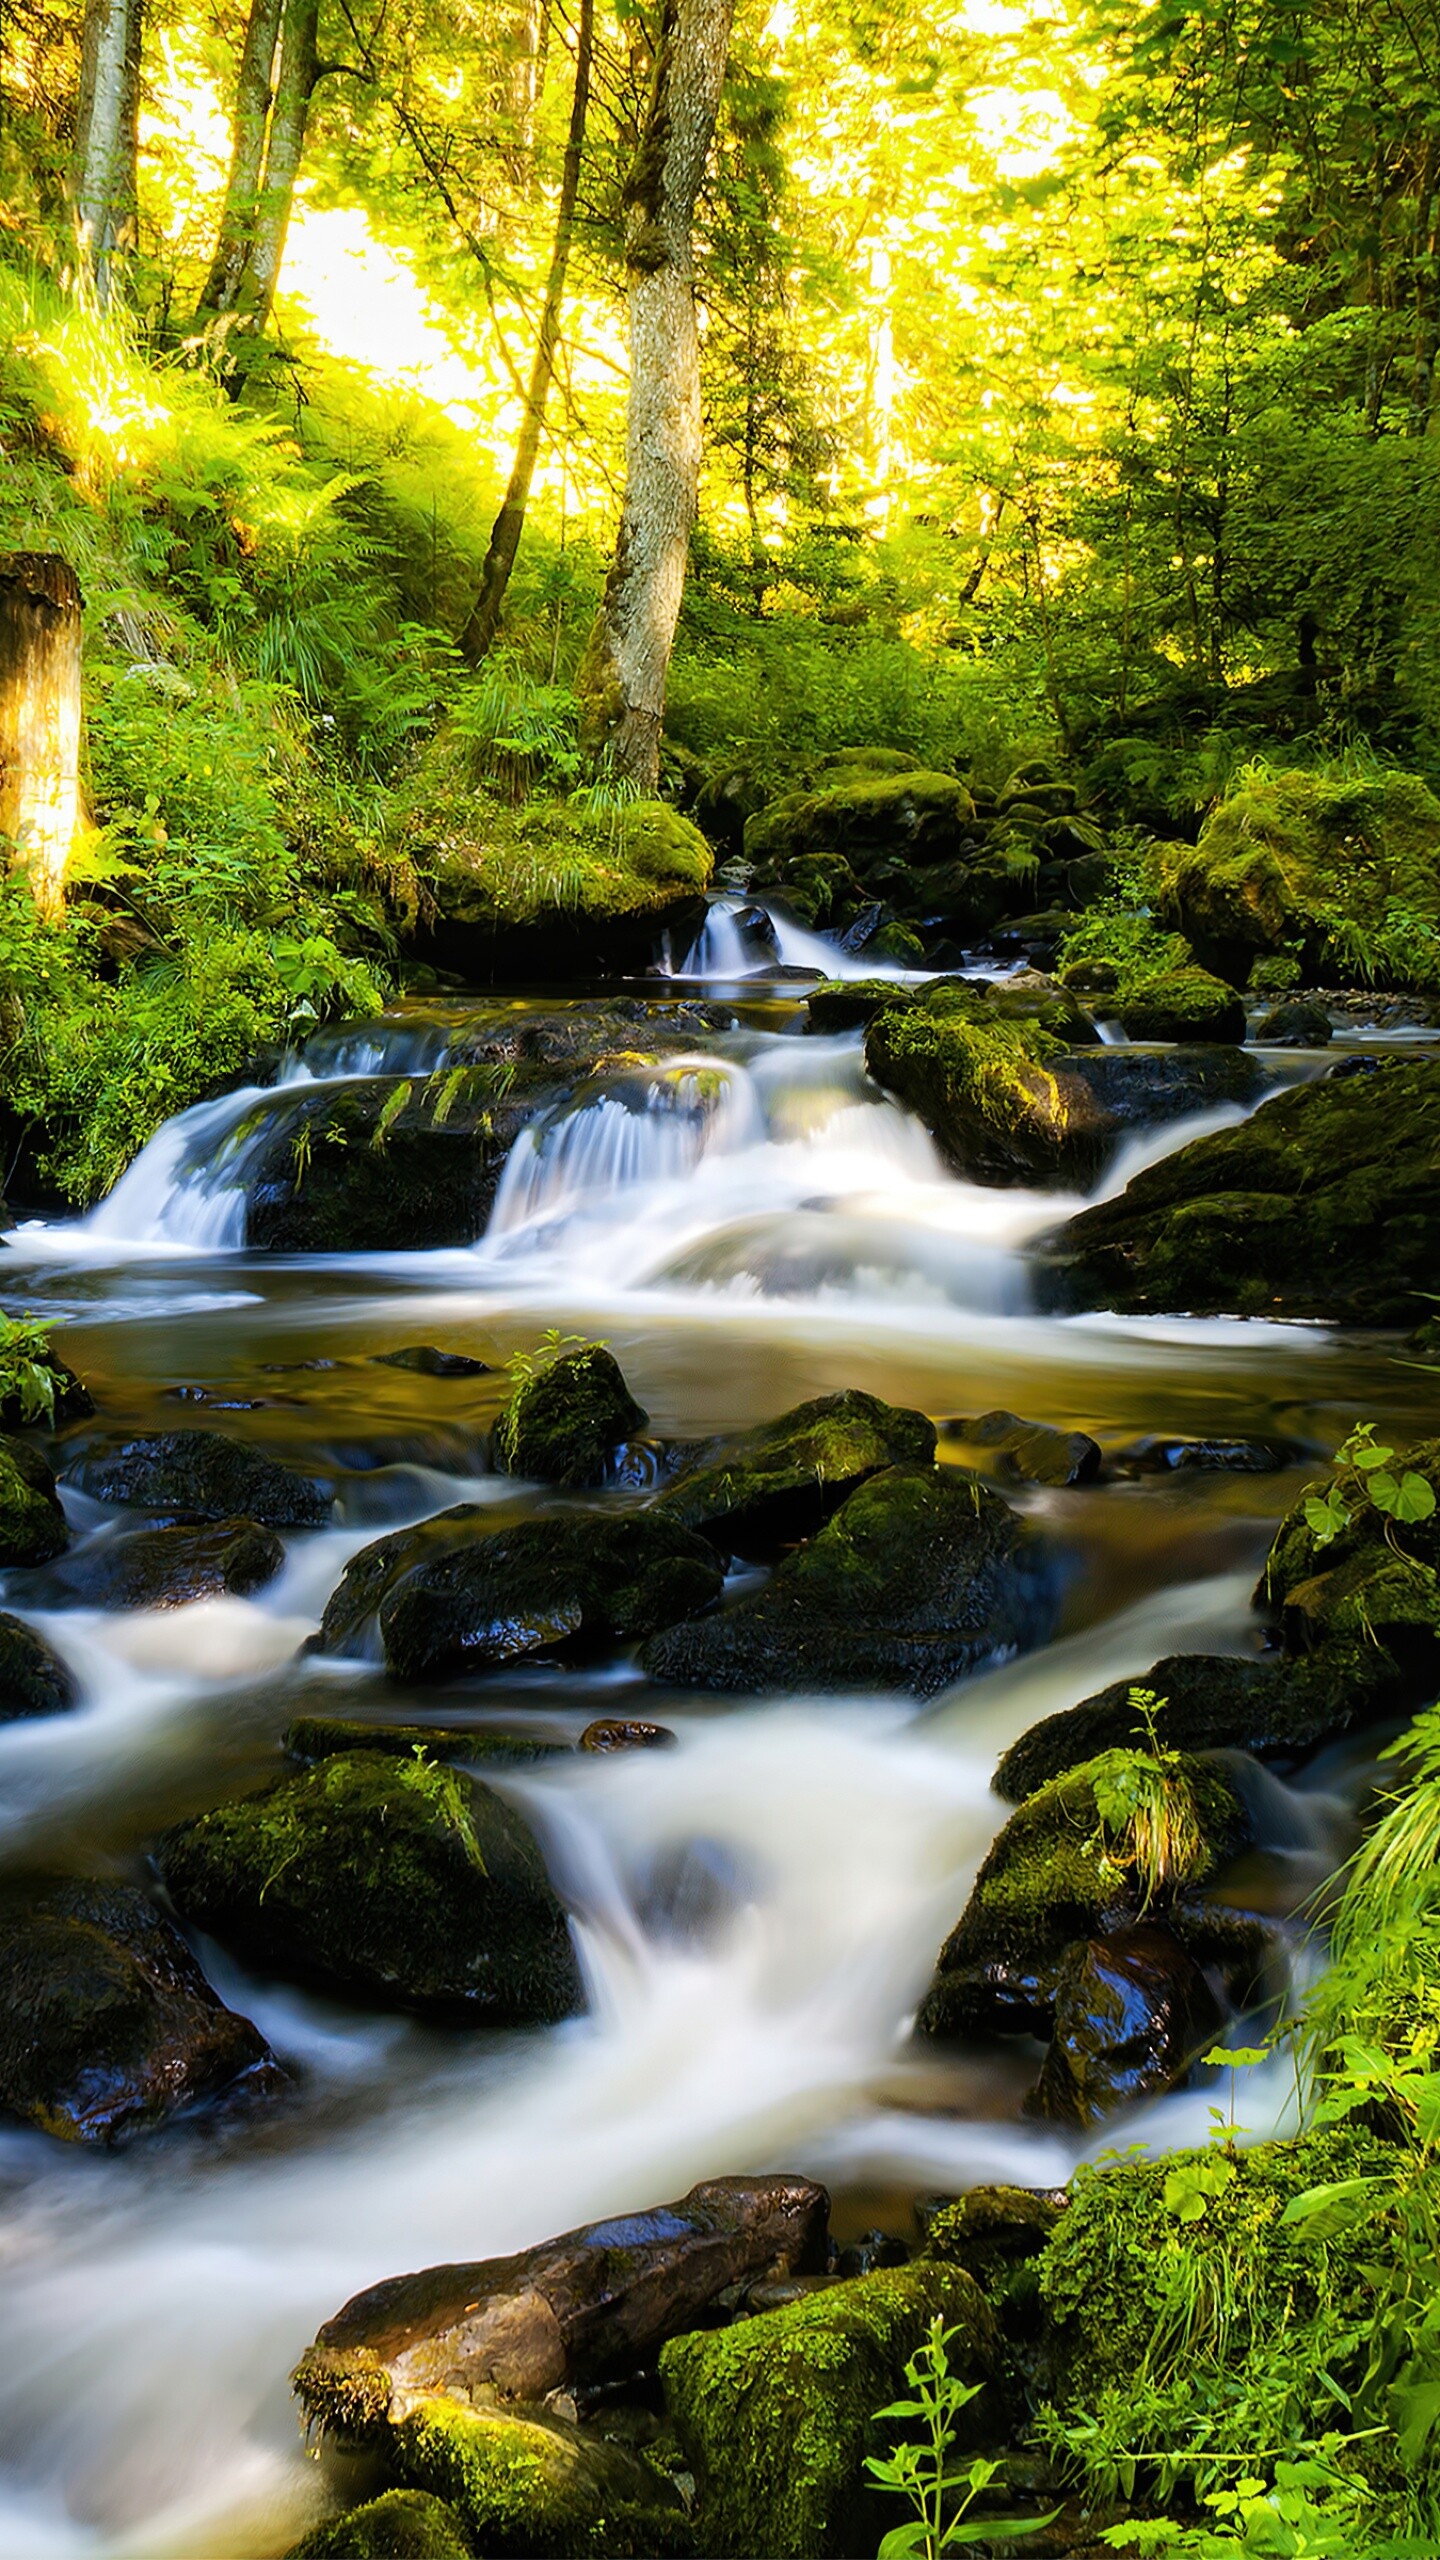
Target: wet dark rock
200,1475
107,2024
625,1733
1298,1024
916,1579
1132,2012
404,2524
991,2230
1373,1586
166,1568
1211,1702
588,2308
754,1493
396,1881
33,1527
1029,1452
776,2414
569,1421
1136,1089
848,1004
323,1737
1325,1203
430,1363
1165,1454
873,2249
33,1679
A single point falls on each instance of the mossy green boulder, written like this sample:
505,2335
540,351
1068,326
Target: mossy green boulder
404,2524
391,1881
529,2483
33,1527
1326,1202
754,1493
1343,873
776,2415
865,814
1178,1004
387,1164
568,1420
981,1069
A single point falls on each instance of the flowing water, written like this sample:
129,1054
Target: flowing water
758,1909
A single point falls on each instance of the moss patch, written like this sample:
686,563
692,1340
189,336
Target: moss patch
403,2525
980,1069
33,1527
568,1419
756,1492
494,866
528,2484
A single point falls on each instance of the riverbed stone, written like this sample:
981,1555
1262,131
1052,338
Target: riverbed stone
1132,2012
1326,1202
1021,1452
568,1421
33,1527
403,2524
325,1737
917,1578
200,1475
1300,1023
33,1679
428,1361
1373,1586
401,1882
754,1493
168,1568
1180,1004
107,2024
776,2415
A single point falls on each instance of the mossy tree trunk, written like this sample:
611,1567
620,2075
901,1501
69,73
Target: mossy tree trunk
102,166
509,524
235,238
295,82
40,718
628,658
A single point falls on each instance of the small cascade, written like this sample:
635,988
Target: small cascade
746,938
653,1130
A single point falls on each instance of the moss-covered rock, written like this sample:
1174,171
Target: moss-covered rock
849,1004
568,1420
1345,873
404,2524
530,2484
992,2230
200,1475
400,1882
985,1081
1210,1702
776,2415
167,1568
866,815
107,2024
323,1737
33,1679
913,1581
33,1527
1374,1589
1180,1004
1325,1203
754,1493
1298,1024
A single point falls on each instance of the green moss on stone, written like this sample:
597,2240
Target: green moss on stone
862,813
32,1524
758,1491
1178,1004
404,2524
567,1420
496,867
529,2485
776,2414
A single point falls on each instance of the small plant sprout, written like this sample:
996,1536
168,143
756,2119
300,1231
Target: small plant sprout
917,2470
1405,1496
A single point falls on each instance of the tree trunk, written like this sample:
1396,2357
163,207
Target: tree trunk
236,235
102,167
628,657
480,630
294,87
40,718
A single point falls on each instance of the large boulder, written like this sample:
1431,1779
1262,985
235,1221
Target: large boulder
461,1594
913,1581
866,814
33,1679
777,2415
1325,1203
568,1420
200,1475
525,2480
33,1527
166,1568
107,2024
395,1881
754,1493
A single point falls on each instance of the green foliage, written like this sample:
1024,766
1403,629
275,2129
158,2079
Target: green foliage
1403,1497
29,1378
917,2469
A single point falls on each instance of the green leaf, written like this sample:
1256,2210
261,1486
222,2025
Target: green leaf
1416,1499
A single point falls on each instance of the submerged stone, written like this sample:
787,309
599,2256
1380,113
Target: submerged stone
33,1679
777,2415
754,1493
915,1579
107,2024
395,1881
1029,1452
200,1475
33,1527
568,1422
428,1362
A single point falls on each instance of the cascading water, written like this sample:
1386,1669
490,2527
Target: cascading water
745,938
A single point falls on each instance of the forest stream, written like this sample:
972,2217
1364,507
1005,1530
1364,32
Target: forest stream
756,1909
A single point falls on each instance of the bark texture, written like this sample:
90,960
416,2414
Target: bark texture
509,524
294,88
253,93
629,655
40,717
102,167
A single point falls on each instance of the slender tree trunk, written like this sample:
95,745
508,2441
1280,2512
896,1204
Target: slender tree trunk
522,90
505,533
40,718
236,235
102,168
628,658
294,88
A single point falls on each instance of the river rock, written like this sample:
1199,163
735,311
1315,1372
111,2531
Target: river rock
33,1679
916,1579
33,1527
625,1733
1180,1004
107,2024
568,1422
1325,1203
400,1882
324,1737
990,2231
1211,1702
776,2416
404,2524
200,1475
754,1493
428,1362
1373,1586
1173,1453
1298,1024
166,1568
1132,2012
1029,1452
